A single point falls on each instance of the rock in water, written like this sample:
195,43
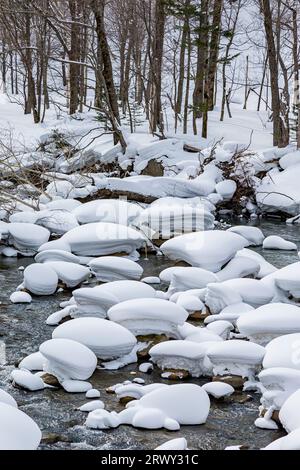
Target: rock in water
100,239
40,279
68,359
17,430
107,339
149,316
209,250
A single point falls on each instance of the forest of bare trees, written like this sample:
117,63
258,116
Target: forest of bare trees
127,58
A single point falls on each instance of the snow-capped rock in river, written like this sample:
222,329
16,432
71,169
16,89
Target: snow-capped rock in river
99,239
239,266
285,282
236,357
278,243
27,238
289,414
7,399
289,442
56,255
149,316
174,444
278,384
67,359
116,211
106,339
254,235
40,279
218,389
283,351
266,268
186,278
182,355
209,250
269,322
170,407
20,298
280,192
96,301
70,274
17,430
165,219
234,291
115,268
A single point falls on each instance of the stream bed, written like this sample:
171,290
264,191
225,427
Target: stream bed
23,329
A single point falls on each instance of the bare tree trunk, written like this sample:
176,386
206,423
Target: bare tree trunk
74,57
214,52
156,115
280,136
188,73
202,62
184,37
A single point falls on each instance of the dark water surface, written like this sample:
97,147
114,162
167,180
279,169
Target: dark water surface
23,329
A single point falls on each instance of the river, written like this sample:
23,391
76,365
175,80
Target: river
23,329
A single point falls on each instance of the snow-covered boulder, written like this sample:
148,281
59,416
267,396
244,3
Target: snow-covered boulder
167,220
40,279
113,268
269,322
239,266
186,278
285,282
289,414
17,430
106,339
280,192
98,300
55,245
7,399
20,298
209,250
63,204
278,243
170,407
266,268
26,380
191,303
70,274
57,221
67,359
289,442
181,355
174,444
33,362
99,239
283,351
218,389
236,357
27,238
221,328
149,316
116,211
226,189
56,255
280,383
254,235
231,313
290,159
234,291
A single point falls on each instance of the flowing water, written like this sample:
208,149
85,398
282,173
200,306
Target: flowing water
23,329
